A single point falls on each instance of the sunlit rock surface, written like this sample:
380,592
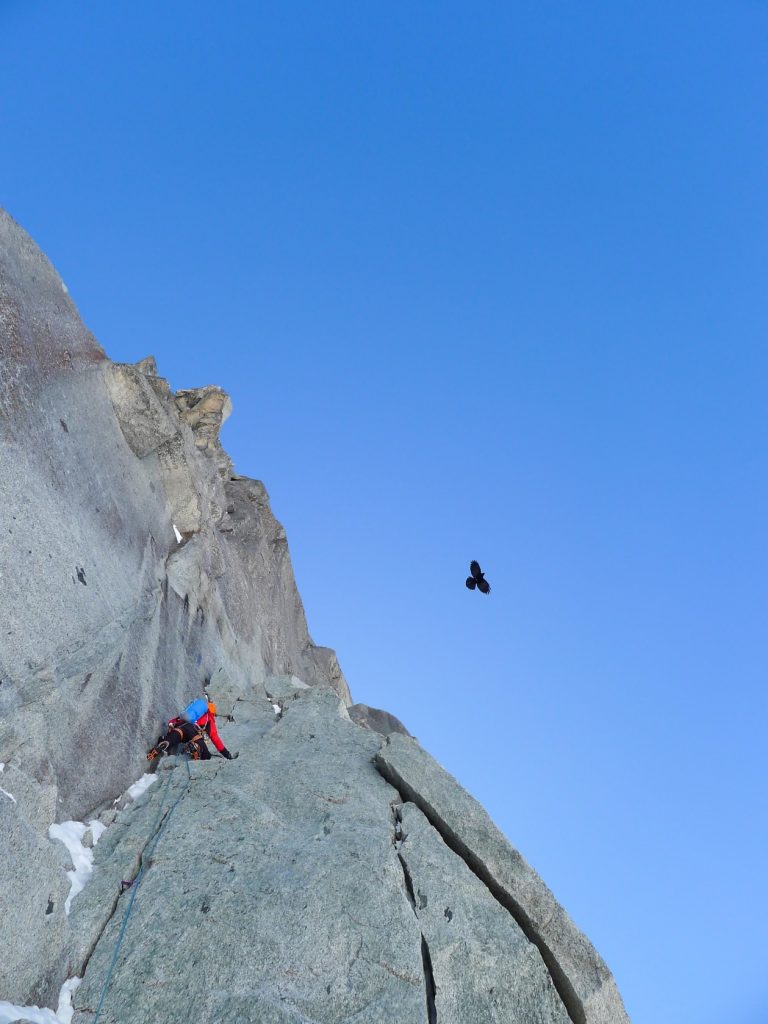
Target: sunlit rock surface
333,872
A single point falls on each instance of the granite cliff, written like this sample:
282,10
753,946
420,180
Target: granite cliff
334,872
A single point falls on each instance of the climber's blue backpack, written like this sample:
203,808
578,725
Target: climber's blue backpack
195,710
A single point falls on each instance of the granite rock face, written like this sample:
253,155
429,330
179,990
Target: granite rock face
302,888
462,923
110,623
582,979
377,720
288,895
333,873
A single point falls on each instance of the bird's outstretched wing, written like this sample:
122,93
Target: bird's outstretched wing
474,568
471,583
484,586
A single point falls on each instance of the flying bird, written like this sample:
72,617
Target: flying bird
477,579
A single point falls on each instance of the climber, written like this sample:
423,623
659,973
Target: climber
197,721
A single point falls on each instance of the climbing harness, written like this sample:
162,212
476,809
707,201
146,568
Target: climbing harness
162,819
190,745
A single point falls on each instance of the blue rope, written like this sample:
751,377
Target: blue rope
146,854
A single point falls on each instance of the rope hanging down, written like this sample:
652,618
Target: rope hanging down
162,819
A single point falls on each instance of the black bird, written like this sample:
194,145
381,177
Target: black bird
477,579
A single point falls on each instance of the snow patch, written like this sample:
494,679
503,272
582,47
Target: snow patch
71,833
97,828
276,708
178,535
9,1012
65,1010
135,791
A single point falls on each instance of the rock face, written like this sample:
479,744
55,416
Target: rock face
582,980
109,623
376,720
334,872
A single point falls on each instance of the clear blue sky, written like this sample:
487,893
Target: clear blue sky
484,281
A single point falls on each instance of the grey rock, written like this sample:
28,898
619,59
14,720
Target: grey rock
581,977
275,877
110,626
251,719
276,887
376,720
143,418
284,885
36,868
463,924
283,687
120,847
36,798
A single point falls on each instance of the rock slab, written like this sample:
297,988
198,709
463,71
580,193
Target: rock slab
581,977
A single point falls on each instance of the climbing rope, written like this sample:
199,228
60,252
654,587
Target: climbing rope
162,819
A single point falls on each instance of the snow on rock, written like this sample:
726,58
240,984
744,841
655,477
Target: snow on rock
65,1010
135,791
97,830
10,1012
71,833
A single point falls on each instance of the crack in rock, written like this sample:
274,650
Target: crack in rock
138,866
426,959
561,981
429,982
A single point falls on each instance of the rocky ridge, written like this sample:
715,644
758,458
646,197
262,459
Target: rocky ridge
334,872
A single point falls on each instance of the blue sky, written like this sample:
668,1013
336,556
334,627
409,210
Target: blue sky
484,281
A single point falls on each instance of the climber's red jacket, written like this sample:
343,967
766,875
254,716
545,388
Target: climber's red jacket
208,724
